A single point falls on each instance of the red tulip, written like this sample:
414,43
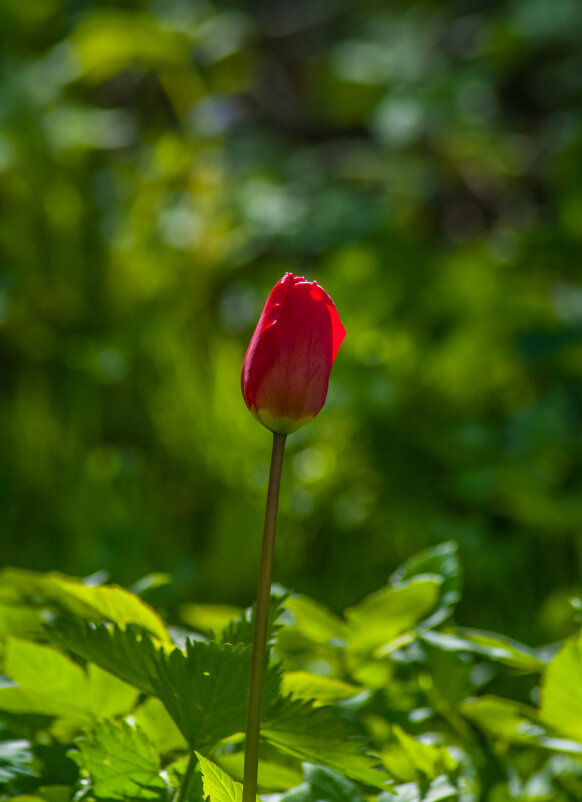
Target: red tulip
287,365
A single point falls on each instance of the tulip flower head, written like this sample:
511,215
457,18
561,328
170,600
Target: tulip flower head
286,369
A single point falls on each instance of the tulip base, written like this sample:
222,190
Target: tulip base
261,623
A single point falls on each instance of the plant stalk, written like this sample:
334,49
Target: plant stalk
261,623
182,794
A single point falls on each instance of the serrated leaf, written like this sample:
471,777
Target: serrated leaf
389,613
218,785
240,630
95,602
49,683
121,762
561,691
204,690
15,760
318,735
126,653
488,644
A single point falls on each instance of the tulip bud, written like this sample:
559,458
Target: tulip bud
286,369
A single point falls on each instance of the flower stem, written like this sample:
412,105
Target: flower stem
261,623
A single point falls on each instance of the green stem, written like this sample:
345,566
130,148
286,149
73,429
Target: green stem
261,623
182,794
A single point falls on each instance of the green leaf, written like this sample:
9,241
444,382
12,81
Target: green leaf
410,759
561,691
318,735
49,683
204,690
94,602
21,621
241,629
211,619
443,561
273,775
121,762
127,653
314,621
306,685
155,721
15,760
218,785
488,644
383,616
512,722
438,791
329,786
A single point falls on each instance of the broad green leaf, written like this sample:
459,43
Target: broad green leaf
314,621
305,685
218,785
561,692
442,561
49,683
95,602
392,611
318,735
211,619
204,690
510,721
15,760
121,762
410,759
20,621
488,644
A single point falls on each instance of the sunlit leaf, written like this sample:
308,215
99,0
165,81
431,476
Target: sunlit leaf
443,561
390,612
49,683
218,785
306,685
94,602
561,692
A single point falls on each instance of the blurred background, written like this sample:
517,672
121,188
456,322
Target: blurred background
162,164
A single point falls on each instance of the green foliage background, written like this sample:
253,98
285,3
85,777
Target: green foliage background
163,163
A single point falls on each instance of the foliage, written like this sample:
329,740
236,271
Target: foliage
163,163
356,708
